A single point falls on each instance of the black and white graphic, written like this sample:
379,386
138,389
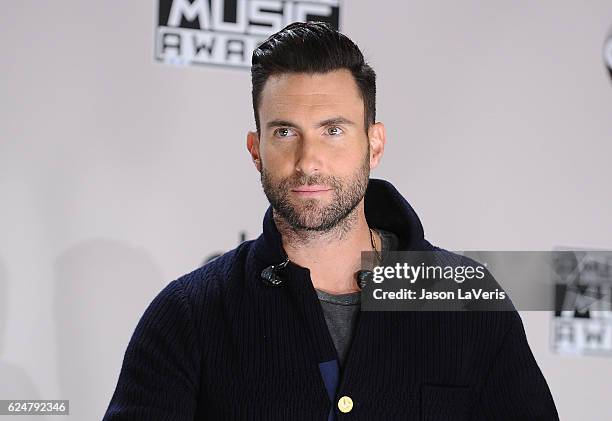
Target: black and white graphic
583,290
213,256
607,53
225,32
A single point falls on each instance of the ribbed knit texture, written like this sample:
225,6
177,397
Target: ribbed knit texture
218,344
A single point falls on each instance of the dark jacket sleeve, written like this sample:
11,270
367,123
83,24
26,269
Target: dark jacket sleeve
160,374
514,388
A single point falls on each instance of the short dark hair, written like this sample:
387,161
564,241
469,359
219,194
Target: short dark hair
312,47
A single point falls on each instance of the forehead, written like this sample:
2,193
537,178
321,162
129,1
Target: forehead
311,96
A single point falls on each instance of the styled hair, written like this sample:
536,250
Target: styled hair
312,47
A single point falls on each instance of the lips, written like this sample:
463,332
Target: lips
310,189
316,191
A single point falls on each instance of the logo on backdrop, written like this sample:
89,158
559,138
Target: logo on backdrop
583,291
607,54
213,256
225,32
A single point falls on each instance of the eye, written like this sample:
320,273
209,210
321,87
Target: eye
283,132
334,131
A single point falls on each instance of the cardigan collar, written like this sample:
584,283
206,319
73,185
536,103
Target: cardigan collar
385,208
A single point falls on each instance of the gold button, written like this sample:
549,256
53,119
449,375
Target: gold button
345,404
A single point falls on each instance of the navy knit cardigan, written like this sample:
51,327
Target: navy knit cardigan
219,344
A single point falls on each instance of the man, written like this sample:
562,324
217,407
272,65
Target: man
272,329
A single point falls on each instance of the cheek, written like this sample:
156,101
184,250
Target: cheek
350,161
277,164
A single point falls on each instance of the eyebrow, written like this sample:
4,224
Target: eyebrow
323,123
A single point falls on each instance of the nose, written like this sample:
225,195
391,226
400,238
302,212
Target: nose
309,156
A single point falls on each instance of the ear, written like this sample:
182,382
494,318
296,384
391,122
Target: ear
377,137
253,148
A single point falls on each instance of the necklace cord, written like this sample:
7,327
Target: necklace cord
378,256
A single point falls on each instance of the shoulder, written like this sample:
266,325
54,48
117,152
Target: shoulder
216,275
199,296
495,316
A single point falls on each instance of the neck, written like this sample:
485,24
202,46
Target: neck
333,257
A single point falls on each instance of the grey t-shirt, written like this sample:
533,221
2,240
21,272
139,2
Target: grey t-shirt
341,310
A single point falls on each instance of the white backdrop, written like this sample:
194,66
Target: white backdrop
118,173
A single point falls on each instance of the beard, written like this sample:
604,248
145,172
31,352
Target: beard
312,214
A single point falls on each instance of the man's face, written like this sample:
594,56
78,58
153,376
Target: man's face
314,150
